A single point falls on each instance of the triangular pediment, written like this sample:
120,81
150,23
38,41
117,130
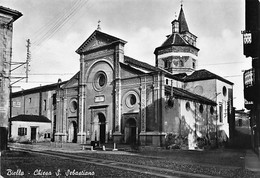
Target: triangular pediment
97,39
73,82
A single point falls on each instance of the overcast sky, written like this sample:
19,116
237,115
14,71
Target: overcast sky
57,28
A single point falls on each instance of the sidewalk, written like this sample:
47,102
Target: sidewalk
68,147
252,162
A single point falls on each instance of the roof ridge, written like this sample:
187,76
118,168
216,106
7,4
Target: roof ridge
204,74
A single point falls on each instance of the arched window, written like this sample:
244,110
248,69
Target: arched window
181,63
224,91
187,106
201,108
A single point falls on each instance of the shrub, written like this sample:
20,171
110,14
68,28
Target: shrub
173,141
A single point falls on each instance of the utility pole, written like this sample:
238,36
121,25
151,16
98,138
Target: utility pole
28,58
20,64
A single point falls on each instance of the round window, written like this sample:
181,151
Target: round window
224,91
131,100
73,106
100,80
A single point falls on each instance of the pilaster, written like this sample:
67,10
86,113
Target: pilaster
81,136
143,104
119,57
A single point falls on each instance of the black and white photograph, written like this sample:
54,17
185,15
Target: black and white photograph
130,88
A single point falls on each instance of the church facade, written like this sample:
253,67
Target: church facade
115,98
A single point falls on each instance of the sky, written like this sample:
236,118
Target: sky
56,28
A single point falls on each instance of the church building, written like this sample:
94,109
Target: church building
115,98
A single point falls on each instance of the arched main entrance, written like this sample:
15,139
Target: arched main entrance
72,132
130,131
99,128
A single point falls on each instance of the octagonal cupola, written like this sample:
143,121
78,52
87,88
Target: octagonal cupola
178,53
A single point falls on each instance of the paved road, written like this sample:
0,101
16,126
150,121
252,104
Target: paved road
143,165
125,164
143,170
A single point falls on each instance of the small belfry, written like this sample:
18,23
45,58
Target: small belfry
178,54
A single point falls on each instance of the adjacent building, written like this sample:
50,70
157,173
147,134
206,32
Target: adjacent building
36,105
7,17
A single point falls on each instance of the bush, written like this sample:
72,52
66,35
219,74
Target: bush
173,141
23,140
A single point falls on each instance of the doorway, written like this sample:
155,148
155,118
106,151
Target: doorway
130,131
33,133
72,132
102,128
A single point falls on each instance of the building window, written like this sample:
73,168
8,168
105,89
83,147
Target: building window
167,81
22,131
100,80
47,135
224,91
201,108
193,65
167,64
131,100
73,106
220,112
187,106
54,98
181,63
211,110
44,105
30,100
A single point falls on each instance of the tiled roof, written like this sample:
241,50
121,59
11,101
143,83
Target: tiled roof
145,66
140,64
184,94
180,75
175,39
37,89
130,68
204,75
68,82
30,118
182,20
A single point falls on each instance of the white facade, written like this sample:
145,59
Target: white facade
30,131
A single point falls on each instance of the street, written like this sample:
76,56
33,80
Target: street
85,163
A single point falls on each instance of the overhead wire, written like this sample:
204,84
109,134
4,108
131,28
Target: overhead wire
224,63
59,23
49,24
53,26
